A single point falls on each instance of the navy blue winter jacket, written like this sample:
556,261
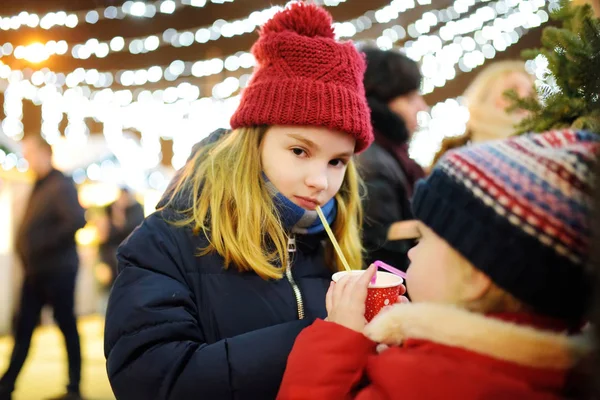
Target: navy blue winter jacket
180,326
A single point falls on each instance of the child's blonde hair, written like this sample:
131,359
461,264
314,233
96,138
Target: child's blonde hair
231,206
494,300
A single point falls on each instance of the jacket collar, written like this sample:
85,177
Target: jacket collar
49,176
527,343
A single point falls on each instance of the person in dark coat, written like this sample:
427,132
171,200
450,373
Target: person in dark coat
392,83
214,287
122,217
45,243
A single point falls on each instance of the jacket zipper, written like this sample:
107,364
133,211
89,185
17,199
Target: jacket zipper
290,277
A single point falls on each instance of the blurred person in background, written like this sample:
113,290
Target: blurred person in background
485,100
120,219
392,83
45,243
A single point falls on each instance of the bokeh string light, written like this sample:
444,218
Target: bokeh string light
185,113
146,44
139,9
241,60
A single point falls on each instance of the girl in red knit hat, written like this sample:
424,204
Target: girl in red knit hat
215,286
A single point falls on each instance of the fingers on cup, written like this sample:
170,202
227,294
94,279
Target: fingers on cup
402,289
365,278
329,297
357,287
339,288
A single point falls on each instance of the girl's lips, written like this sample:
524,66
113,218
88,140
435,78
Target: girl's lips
306,202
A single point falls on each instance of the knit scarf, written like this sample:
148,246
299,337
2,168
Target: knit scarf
297,219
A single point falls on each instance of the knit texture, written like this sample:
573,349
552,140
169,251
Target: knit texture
305,77
519,210
296,218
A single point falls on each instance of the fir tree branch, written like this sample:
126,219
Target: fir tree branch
573,54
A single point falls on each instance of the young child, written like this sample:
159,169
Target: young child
497,279
214,287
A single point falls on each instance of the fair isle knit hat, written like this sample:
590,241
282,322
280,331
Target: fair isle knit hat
305,77
519,210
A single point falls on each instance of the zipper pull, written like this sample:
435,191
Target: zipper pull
292,244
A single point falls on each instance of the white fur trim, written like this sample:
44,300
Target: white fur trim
452,326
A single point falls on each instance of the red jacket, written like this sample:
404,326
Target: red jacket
438,352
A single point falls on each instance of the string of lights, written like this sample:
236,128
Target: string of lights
169,105
37,52
185,113
241,60
439,61
428,21
138,9
105,79
393,10
184,91
93,77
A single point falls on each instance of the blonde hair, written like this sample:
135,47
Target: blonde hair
494,300
476,94
233,209
479,90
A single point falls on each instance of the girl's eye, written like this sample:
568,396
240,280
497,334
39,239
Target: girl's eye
298,151
338,162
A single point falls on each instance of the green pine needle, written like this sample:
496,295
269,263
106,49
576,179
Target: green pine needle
573,54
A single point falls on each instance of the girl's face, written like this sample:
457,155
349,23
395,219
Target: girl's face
407,107
306,164
438,273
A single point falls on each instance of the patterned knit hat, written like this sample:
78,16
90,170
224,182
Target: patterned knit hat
305,77
519,210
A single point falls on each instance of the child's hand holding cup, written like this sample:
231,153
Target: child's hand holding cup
352,300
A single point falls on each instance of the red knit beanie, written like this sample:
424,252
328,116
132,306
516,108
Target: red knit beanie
305,77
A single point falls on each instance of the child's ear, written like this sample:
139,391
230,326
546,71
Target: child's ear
475,284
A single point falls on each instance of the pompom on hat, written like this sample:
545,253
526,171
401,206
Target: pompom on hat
305,77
